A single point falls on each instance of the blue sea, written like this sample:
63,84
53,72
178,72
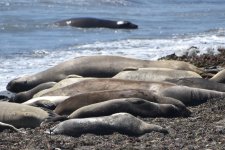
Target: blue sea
30,42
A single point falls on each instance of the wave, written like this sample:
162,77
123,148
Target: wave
151,49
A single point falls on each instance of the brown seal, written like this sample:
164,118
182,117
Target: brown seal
101,84
22,116
219,77
134,106
77,101
26,95
92,66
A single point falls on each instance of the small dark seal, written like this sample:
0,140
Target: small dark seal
96,23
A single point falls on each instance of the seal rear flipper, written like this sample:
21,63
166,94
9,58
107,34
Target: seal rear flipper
4,126
51,116
54,119
44,104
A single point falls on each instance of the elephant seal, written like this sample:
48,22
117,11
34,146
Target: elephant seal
155,74
92,66
199,83
219,77
61,84
96,23
191,96
4,126
49,102
101,84
122,123
22,116
77,101
134,106
6,95
26,95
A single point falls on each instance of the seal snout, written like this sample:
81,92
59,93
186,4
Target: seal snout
126,25
12,86
18,85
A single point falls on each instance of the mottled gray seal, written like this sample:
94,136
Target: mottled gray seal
96,23
22,116
26,95
92,66
122,123
77,101
155,74
219,77
134,106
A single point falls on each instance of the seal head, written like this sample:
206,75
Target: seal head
126,25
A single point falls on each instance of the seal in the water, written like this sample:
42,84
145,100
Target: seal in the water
77,101
122,123
26,95
134,106
96,23
22,116
92,66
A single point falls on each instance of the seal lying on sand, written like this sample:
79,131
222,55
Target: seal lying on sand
59,85
26,95
219,77
96,23
101,84
92,66
198,83
191,96
155,74
123,123
77,101
22,116
134,106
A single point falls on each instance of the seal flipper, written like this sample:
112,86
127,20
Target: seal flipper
56,119
4,126
44,104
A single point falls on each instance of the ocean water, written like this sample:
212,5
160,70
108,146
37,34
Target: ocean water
30,42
